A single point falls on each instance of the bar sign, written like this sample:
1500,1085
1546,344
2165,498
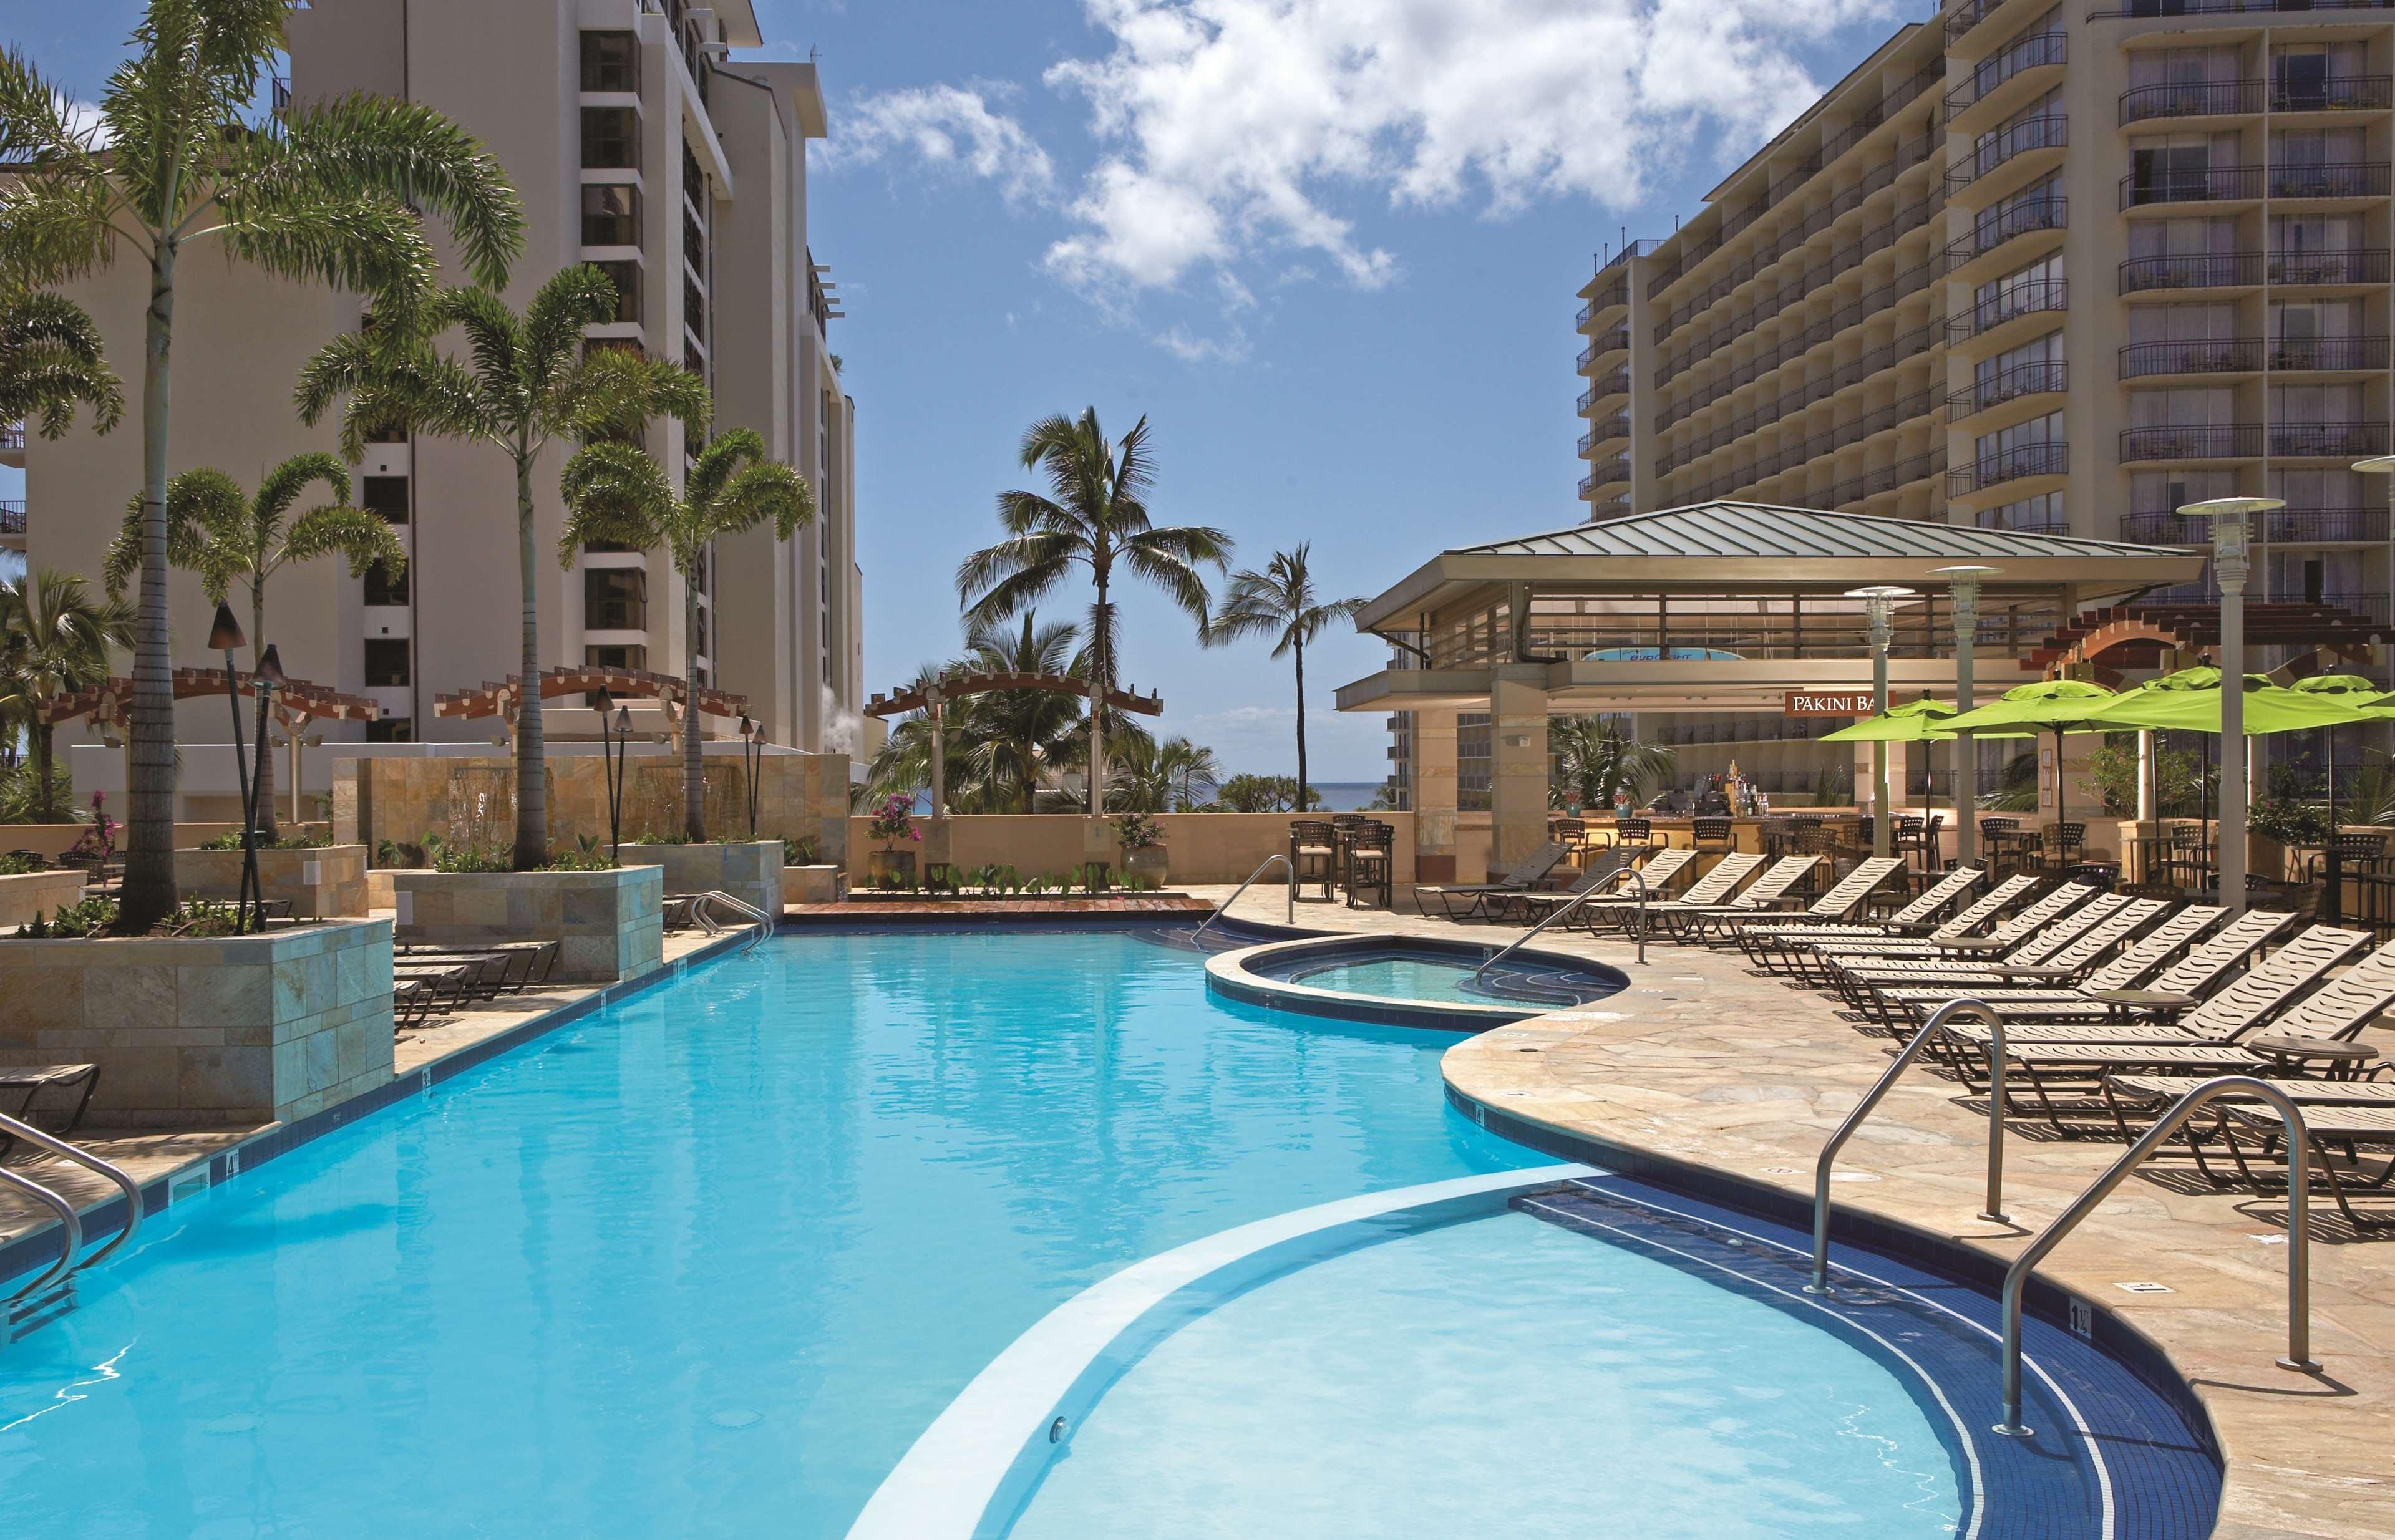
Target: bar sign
1825,703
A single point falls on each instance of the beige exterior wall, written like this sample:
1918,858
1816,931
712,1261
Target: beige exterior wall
512,76
1200,847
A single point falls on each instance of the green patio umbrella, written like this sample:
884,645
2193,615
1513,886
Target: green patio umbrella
1921,721
2366,697
2047,705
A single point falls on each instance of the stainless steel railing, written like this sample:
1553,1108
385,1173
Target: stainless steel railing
2299,1329
1931,1030
1291,916
69,1220
701,906
1576,901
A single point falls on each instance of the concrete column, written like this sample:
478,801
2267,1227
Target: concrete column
1517,770
1434,795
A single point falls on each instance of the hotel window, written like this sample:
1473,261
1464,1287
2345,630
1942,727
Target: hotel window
615,599
610,138
385,495
384,590
2019,450
2157,491
693,180
2043,514
2182,323
2306,76
386,661
391,729
626,276
1473,749
615,656
611,62
694,243
611,214
2175,166
693,309
2191,68
2325,490
2182,237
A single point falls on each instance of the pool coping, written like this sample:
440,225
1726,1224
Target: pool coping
1232,975
39,1246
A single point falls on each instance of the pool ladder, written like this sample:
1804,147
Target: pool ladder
1260,871
1577,900
701,909
70,1222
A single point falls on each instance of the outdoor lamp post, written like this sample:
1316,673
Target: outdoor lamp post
612,761
752,757
268,675
2231,564
1879,604
1964,581
224,636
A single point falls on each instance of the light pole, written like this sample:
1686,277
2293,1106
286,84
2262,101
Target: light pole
752,756
1879,604
1965,581
225,637
2231,563
268,675
615,725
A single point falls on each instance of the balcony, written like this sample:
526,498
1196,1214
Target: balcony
2214,441
2013,465
1614,508
2036,52
2213,184
2051,132
2338,94
2149,8
2281,527
12,438
2000,227
2206,356
2036,297
2191,98
1874,483
2353,179
2037,378
1586,483
12,524
2326,441
2227,270
1608,472
2328,355
2328,268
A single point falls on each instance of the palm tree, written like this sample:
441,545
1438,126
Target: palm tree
1016,736
327,192
526,384
1171,776
616,492
223,534
54,641
1279,602
1595,760
50,359
1094,516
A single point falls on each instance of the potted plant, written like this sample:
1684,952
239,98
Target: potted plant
1141,839
893,819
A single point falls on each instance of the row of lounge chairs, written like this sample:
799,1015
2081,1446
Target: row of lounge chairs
428,981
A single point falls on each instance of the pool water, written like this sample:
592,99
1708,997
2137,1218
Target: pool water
1384,1393
1401,979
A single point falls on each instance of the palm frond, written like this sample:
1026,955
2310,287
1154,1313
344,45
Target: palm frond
768,489
356,146
51,360
613,493
365,539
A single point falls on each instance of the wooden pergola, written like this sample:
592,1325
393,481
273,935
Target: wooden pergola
949,687
667,689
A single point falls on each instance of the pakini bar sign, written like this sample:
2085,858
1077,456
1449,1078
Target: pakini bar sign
1829,703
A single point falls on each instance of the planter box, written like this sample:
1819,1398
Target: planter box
811,884
751,872
609,924
320,883
32,893
204,1033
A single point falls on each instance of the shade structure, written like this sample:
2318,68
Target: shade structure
2344,686
2045,706
2189,700
1913,722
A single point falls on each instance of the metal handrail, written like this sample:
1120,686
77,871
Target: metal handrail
1292,916
70,1223
2299,1288
1576,901
740,906
85,1158
1978,1010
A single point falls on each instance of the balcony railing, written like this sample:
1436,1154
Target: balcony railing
1585,483
2224,270
2297,269
2327,354
1612,508
2011,465
2370,606
2353,179
2038,376
2210,184
1614,384
2050,132
2191,98
1637,248
2280,527
12,517
2030,298
2336,94
2327,441
1872,483
12,436
1998,226
2214,441
2029,53
2207,356
1587,399
1615,469
2145,9
1969,16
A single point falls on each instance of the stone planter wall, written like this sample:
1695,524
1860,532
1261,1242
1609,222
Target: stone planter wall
321,883
811,884
31,893
205,1033
611,925
749,872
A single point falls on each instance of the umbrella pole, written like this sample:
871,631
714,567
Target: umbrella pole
2333,903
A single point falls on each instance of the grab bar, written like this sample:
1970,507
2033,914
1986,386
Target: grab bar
2299,1287
1576,901
1932,1029
739,906
1290,917
70,1225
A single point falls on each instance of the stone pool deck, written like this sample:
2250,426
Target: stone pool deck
1702,1062
149,1155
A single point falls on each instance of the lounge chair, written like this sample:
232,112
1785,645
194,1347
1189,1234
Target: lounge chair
1837,902
2024,938
1526,874
2006,899
2350,1124
1708,923
2105,1009
1714,887
2058,954
2127,969
1767,941
75,1080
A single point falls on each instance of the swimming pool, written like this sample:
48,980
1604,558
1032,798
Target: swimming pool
709,1261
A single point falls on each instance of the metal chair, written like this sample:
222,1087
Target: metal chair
1371,862
1711,835
1314,854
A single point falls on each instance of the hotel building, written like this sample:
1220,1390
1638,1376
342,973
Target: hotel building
636,145
2034,267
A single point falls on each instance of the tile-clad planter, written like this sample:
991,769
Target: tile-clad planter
751,870
192,1034
609,924
30,893
323,882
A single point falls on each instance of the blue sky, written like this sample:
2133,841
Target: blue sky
1328,247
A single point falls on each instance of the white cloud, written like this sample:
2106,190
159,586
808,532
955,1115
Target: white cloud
949,127
1189,347
1233,128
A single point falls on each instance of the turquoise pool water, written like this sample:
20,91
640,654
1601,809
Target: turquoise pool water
706,1263
1400,978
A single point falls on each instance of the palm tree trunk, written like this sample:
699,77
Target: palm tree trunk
532,798
42,762
149,891
1301,727
262,773
693,769
1094,784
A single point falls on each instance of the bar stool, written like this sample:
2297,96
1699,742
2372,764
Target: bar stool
1314,854
2065,843
1636,835
1711,835
1371,862
1998,837
1571,834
